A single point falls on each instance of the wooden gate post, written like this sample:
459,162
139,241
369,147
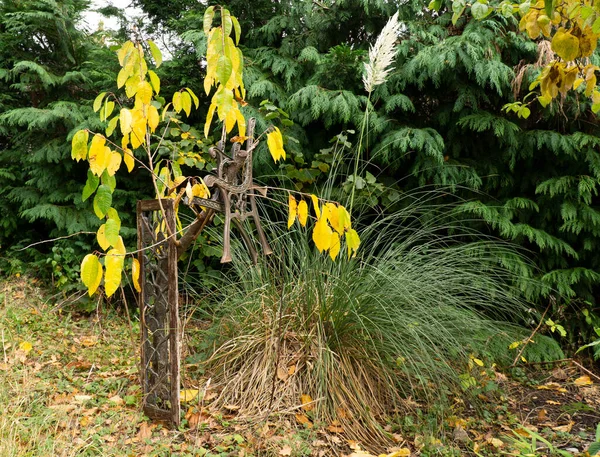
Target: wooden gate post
159,308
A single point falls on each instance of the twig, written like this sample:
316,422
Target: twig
533,333
55,239
90,373
4,347
586,370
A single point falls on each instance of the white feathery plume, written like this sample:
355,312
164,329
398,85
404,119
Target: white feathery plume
381,55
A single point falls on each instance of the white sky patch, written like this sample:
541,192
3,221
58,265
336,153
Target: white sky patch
92,20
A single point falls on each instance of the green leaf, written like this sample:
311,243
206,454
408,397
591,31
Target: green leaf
594,448
102,201
238,29
112,125
79,143
154,81
549,7
98,101
111,231
113,214
209,14
479,10
108,180
224,69
156,54
226,21
106,110
525,7
90,185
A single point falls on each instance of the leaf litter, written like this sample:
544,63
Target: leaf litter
74,380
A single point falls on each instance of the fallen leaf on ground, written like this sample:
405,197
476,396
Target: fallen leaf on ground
541,415
82,398
564,428
188,395
145,431
282,374
583,381
25,346
117,400
552,402
335,427
404,452
496,442
552,386
306,401
89,342
304,420
286,450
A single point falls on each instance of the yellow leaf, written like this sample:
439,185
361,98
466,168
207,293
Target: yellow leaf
334,250
101,237
97,156
209,116
128,159
293,210
155,81
188,395
131,86
186,102
307,402
135,274
114,163
304,420
138,129
125,118
302,213
275,144
333,215
144,92
583,381
241,121
114,266
315,202
122,77
322,235
352,242
124,51
496,442
200,190
404,452
91,273
344,219
177,102
25,346
79,143
120,246
565,45
153,118
514,345
477,361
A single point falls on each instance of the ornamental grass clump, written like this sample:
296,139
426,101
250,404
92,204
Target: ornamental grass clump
354,341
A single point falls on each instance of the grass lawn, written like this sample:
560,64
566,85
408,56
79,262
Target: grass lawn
69,386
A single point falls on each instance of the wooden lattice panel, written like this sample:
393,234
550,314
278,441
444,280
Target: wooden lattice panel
159,310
